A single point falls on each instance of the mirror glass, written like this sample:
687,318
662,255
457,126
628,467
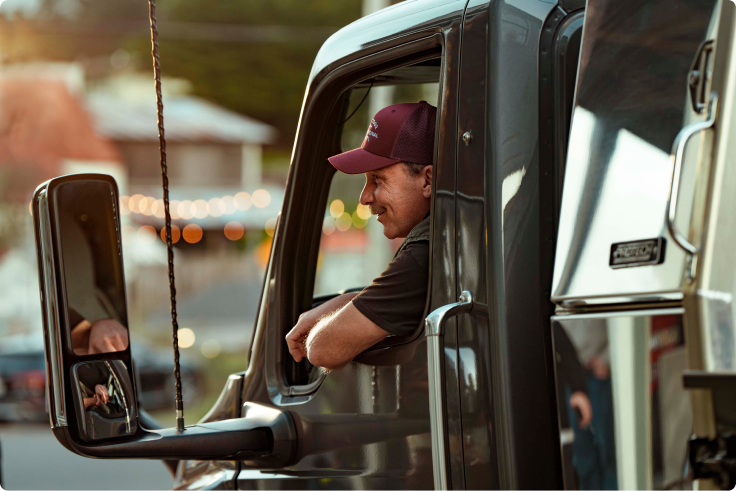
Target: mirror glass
104,399
91,253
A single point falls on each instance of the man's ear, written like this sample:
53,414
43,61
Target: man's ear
426,175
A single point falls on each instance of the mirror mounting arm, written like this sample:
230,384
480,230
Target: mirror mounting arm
265,437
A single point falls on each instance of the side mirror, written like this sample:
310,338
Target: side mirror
92,387
92,394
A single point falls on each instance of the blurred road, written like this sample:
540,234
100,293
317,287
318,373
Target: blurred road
33,459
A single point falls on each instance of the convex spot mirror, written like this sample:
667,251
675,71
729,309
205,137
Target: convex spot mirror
91,384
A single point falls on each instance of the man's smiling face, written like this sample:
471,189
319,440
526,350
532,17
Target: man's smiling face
398,197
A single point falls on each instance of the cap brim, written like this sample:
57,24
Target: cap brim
359,161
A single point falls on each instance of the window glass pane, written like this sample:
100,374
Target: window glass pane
353,249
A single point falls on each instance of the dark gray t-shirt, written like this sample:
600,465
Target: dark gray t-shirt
395,300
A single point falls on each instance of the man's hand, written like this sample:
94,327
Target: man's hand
107,336
600,368
101,395
297,338
579,400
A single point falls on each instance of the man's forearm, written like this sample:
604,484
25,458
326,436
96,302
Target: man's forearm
340,336
80,335
334,304
296,338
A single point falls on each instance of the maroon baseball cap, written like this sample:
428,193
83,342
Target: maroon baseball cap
397,133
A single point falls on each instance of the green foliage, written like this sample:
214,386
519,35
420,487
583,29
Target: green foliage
265,81
265,12
261,80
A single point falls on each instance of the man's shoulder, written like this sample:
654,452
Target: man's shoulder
420,230
417,250
420,233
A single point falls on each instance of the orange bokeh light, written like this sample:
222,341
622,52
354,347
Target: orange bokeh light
263,252
192,233
234,230
146,234
175,234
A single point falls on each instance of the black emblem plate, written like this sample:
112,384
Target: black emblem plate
637,253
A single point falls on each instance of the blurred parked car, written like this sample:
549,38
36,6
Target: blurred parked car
23,378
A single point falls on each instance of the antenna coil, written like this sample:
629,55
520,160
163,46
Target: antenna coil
167,219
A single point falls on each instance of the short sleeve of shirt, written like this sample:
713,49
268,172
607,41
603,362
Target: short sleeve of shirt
74,318
395,300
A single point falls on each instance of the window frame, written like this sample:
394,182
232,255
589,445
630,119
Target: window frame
292,285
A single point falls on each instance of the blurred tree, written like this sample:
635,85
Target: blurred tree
265,80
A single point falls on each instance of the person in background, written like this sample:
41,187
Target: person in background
597,445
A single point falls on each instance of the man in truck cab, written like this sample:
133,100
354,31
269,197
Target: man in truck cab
396,158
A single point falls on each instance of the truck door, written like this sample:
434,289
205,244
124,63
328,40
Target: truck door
624,257
365,425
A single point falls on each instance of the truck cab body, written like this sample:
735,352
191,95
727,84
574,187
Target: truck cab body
368,424
523,114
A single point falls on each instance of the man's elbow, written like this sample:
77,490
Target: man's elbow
321,356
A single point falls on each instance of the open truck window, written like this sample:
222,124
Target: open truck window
347,248
353,249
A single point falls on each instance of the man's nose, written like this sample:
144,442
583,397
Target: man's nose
366,196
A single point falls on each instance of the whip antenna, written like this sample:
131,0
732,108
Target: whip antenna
167,218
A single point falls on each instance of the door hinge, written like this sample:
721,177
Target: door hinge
700,76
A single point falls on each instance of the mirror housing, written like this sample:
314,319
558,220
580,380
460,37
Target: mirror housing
92,392
92,395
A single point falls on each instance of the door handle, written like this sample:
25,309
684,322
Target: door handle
434,330
678,153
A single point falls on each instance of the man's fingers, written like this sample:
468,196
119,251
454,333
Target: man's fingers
296,354
101,391
296,349
102,346
294,340
118,343
297,332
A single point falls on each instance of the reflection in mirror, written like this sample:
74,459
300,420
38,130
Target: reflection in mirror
625,418
103,399
93,269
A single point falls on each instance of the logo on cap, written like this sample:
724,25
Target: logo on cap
370,133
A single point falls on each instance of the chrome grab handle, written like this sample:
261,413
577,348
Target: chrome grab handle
434,329
678,152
